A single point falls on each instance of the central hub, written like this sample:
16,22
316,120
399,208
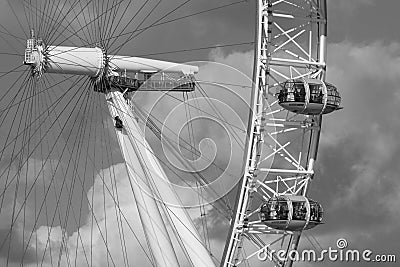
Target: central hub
34,55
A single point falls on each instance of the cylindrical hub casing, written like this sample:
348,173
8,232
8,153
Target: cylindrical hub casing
133,64
75,60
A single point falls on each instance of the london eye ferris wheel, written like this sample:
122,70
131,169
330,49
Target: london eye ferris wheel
81,175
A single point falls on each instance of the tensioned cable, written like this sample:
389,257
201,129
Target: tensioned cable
197,49
53,108
111,27
180,18
52,36
15,15
117,49
25,91
18,175
154,128
220,116
108,45
64,179
104,182
161,161
169,21
66,28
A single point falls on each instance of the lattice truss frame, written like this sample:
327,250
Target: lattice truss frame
291,45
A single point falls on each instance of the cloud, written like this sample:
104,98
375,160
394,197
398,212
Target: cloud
347,5
108,233
357,169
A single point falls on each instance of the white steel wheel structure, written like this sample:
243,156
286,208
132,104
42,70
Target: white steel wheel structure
289,98
79,184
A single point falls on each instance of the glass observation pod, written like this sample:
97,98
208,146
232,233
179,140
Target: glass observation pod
309,97
133,84
292,213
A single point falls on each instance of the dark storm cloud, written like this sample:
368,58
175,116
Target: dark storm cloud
357,169
357,172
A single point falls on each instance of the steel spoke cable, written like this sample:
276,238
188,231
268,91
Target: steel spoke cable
52,14
151,180
112,32
55,185
156,130
114,185
7,32
179,18
116,189
58,101
79,143
131,36
28,17
25,91
10,72
17,184
174,171
50,20
24,203
147,180
92,108
201,206
87,35
15,97
115,195
44,100
198,176
207,113
140,23
50,35
52,182
71,155
187,16
44,136
15,15
102,141
220,116
36,94
78,139
110,21
197,49
108,191
90,29
55,14
27,122
13,47
84,27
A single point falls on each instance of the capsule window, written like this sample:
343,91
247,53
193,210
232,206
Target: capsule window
276,209
316,212
333,95
293,91
316,93
299,210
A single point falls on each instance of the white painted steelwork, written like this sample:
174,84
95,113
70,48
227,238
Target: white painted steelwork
282,146
153,192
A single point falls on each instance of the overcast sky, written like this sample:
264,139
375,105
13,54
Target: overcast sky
357,172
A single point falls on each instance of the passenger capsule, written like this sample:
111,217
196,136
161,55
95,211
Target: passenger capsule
309,97
292,213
